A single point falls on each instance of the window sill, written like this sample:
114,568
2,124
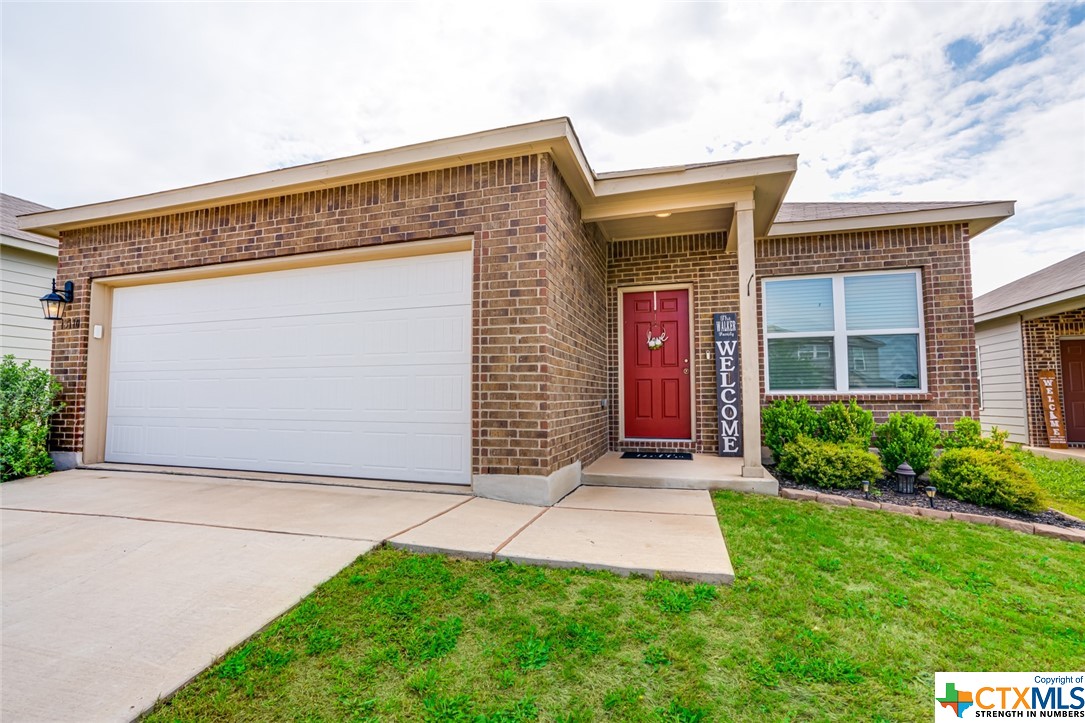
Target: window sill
887,396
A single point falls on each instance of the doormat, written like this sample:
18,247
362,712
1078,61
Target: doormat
657,455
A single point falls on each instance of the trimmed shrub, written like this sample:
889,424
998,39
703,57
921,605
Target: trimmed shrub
989,478
827,464
907,438
849,424
968,434
784,420
27,401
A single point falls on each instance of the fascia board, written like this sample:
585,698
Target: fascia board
1038,307
980,217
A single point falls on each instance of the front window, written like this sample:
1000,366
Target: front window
844,333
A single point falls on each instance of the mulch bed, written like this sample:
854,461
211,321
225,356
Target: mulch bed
882,491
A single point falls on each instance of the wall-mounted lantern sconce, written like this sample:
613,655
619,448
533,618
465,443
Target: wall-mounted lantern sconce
54,303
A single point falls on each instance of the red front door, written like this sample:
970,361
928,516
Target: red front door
1073,388
657,381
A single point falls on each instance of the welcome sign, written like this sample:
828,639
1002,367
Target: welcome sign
1049,397
728,385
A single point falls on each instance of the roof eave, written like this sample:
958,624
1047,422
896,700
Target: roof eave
979,218
1076,293
771,175
36,247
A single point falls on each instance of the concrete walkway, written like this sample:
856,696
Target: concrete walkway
119,587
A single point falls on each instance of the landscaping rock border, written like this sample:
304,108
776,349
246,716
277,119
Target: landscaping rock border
1068,534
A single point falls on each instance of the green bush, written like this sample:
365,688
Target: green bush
784,420
27,400
827,464
968,434
907,438
989,478
849,424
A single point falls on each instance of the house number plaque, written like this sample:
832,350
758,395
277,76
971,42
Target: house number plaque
728,384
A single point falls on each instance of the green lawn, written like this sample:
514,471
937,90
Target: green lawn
837,614
1063,480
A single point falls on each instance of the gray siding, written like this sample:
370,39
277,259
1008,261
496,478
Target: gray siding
1002,381
24,278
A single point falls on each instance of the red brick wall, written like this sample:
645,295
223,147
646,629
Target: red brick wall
502,203
698,260
1041,351
941,253
576,272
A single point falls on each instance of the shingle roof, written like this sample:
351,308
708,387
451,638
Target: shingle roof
1066,275
10,207
795,212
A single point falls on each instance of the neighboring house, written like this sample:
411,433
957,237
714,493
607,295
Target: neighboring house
28,263
1031,325
476,310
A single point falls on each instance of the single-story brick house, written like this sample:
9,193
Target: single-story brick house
1029,328
487,310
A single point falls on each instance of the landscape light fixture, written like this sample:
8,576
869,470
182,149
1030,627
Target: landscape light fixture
866,488
931,492
54,303
905,478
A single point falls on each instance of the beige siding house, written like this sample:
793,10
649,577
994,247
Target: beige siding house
1032,325
28,263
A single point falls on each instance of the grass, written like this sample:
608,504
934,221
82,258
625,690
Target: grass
837,614
1062,480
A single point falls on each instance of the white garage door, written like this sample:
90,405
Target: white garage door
357,370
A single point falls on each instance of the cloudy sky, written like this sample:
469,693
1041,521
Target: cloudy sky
886,101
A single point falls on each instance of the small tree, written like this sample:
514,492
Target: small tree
28,398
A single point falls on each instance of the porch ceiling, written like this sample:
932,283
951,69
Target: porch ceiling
690,222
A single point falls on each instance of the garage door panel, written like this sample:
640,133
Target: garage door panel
364,379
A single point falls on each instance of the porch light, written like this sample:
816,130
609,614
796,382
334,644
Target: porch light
666,214
905,478
54,303
866,488
931,492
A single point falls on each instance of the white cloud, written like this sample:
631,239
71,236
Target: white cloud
110,100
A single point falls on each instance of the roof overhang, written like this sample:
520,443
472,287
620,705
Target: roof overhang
1051,304
35,247
624,204
978,216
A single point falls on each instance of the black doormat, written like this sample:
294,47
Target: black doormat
657,455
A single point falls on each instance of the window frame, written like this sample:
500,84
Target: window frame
840,334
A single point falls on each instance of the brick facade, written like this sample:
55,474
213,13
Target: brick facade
501,203
941,254
545,298
1040,341
576,269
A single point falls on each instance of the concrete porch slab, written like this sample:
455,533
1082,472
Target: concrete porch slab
634,499
703,472
473,530
678,546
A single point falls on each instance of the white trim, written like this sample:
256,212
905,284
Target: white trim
622,291
979,216
34,247
840,334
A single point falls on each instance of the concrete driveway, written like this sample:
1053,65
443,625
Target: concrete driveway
119,587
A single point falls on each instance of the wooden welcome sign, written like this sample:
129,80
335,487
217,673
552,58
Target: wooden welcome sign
728,384
1049,400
